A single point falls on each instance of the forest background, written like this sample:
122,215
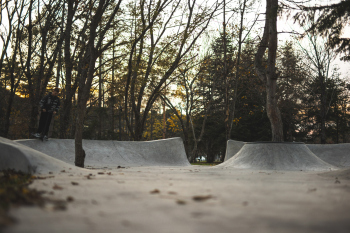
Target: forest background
146,70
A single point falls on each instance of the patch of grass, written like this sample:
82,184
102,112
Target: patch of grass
205,163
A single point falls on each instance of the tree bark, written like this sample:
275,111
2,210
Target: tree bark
268,75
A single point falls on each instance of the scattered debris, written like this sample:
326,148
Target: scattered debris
63,171
202,198
109,173
41,177
70,199
155,191
336,180
120,167
245,203
181,202
100,173
94,202
57,187
312,190
15,191
74,183
172,193
89,177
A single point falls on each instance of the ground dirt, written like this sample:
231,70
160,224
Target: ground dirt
189,199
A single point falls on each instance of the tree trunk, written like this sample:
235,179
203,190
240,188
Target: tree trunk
79,152
269,75
323,112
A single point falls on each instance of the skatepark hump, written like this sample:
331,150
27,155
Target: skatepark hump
232,148
276,156
103,153
335,154
18,157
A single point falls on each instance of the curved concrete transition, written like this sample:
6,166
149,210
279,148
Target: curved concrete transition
232,148
277,156
335,154
102,153
21,158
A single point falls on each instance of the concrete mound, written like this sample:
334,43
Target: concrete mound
22,158
232,148
277,156
102,153
335,154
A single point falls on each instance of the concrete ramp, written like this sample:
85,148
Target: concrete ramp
276,156
232,148
335,154
16,156
102,153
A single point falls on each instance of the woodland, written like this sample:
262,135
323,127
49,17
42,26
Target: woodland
206,71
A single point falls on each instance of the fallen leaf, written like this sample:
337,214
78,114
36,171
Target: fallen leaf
57,187
180,202
155,191
202,198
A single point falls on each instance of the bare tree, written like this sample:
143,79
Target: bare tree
14,72
194,20
93,49
319,59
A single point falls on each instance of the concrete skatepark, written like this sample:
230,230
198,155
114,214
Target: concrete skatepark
262,187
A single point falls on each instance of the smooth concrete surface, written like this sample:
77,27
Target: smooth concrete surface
277,156
335,154
262,198
232,148
162,200
103,153
16,156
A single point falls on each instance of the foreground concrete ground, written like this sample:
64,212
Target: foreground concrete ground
162,199
296,193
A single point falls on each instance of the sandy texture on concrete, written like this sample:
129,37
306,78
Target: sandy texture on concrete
102,153
232,200
277,156
232,148
335,154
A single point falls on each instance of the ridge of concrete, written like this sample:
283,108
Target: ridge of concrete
277,156
335,154
108,153
232,147
18,157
